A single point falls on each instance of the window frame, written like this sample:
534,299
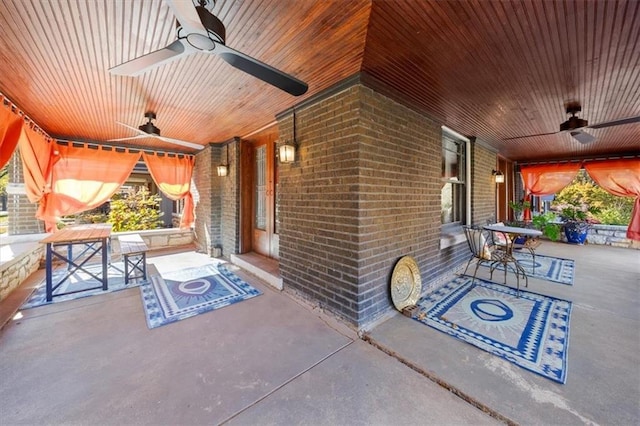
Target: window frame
452,233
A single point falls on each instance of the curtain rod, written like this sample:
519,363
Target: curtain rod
16,110
579,160
126,148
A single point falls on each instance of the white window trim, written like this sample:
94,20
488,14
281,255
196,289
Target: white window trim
452,239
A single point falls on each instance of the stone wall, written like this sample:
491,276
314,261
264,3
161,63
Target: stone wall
159,238
20,266
611,235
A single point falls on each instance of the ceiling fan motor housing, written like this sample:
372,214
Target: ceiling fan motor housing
150,128
573,123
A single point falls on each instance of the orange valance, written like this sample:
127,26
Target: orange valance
173,175
84,178
10,129
622,178
546,179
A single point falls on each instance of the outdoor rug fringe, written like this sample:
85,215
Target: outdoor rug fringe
188,292
531,331
81,280
548,268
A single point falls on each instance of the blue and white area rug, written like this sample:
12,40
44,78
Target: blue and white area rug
531,331
79,281
188,292
554,269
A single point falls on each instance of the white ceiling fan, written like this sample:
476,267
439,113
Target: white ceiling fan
149,130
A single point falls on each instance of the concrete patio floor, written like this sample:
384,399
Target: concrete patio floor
603,380
266,360
275,360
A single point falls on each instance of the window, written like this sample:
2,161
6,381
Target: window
454,179
178,207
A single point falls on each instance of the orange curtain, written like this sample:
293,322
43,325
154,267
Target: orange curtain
10,129
173,174
546,179
622,178
36,153
84,178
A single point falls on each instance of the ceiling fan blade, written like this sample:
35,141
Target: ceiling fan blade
130,138
616,122
135,129
180,142
583,137
185,12
530,136
151,60
261,70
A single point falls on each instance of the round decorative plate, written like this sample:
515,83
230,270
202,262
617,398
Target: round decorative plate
406,283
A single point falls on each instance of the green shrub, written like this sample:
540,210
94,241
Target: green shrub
606,208
613,216
136,210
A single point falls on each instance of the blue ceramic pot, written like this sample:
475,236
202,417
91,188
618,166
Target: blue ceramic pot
576,232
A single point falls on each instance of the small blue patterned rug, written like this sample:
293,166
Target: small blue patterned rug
78,282
183,294
531,331
548,268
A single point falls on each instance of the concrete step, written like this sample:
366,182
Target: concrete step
262,267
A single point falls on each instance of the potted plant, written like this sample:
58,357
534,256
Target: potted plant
577,222
518,208
546,223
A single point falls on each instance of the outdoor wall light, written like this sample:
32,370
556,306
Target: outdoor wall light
499,176
223,169
287,153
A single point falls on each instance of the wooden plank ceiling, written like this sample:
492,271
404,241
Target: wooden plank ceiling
489,69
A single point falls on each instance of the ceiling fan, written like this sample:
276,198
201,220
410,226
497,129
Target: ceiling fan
149,130
575,126
198,30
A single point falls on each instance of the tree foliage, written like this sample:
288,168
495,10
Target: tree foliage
608,208
4,179
135,210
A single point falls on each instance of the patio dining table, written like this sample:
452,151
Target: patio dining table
91,240
510,234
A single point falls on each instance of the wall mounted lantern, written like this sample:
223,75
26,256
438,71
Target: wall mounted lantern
287,153
223,169
499,176
287,150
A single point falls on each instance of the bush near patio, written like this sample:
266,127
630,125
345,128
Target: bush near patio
607,208
135,210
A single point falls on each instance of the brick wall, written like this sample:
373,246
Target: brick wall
319,234
207,233
21,212
364,191
483,191
217,198
230,199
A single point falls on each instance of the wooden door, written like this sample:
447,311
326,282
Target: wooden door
264,198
